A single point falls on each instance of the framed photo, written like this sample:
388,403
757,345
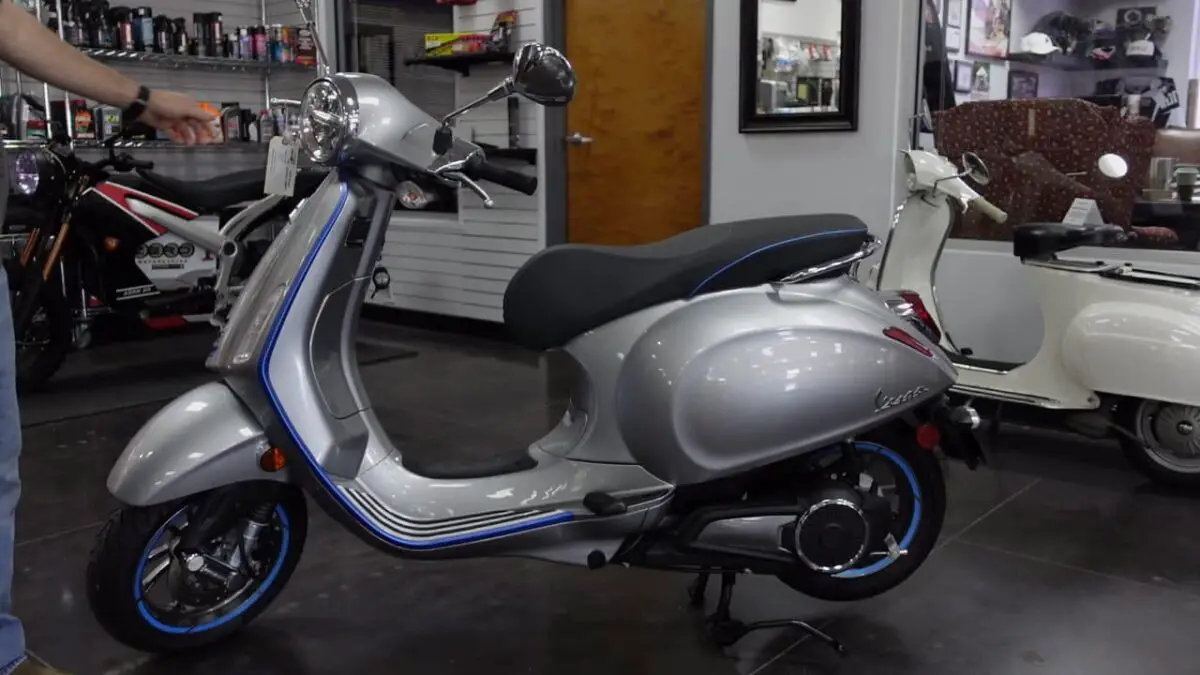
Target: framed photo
953,13
953,40
988,24
981,81
1022,85
962,76
770,65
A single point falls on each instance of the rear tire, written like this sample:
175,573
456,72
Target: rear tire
1167,463
118,566
898,443
51,328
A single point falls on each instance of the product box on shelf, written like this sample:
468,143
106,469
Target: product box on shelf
449,44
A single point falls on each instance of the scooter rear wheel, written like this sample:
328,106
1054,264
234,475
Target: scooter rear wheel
1163,441
922,487
143,595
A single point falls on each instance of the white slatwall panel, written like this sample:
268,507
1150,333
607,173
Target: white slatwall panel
462,269
433,89
246,88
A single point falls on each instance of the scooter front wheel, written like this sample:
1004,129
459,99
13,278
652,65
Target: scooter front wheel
148,595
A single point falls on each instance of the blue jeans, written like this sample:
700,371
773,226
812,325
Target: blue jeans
12,635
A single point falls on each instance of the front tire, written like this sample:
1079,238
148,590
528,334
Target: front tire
43,345
1163,441
920,473
135,543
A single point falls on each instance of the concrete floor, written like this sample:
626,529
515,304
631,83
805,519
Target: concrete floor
1056,558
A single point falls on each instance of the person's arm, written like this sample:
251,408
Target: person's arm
33,49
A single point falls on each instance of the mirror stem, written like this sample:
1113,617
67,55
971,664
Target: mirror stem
496,93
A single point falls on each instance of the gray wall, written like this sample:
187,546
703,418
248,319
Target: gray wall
755,175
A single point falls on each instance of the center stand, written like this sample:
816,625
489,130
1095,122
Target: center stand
727,631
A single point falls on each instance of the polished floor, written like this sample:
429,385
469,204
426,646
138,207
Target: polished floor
1056,558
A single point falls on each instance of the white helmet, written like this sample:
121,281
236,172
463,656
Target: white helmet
1038,43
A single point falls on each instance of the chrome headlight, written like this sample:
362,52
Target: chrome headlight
328,119
34,175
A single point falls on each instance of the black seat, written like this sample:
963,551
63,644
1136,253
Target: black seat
214,194
1040,241
568,290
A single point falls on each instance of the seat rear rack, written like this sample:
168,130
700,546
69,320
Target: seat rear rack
858,256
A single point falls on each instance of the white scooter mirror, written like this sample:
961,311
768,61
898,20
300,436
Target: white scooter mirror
974,168
1113,166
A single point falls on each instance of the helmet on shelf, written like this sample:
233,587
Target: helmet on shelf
1056,32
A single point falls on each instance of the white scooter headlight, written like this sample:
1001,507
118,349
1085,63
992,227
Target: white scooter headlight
328,119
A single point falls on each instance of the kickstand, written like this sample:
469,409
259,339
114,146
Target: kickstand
697,589
727,631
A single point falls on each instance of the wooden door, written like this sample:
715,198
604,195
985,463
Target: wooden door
641,100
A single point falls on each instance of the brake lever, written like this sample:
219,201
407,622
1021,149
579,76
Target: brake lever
473,187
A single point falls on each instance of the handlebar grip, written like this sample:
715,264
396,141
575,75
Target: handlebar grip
989,209
140,164
509,178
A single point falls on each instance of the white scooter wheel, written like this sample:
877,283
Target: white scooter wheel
143,597
1163,441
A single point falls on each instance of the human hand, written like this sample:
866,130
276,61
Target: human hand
178,115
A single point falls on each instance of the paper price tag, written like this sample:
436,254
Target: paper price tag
1083,212
283,159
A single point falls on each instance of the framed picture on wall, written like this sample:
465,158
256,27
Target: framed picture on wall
962,76
953,13
953,40
981,81
1022,85
988,23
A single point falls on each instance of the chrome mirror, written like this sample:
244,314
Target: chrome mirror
543,75
975,169
1113,166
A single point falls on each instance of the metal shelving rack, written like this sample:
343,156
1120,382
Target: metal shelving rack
172,61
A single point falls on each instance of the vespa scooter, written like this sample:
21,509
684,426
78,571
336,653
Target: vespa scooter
1121,345
743,407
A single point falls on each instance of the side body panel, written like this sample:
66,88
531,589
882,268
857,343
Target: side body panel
1125,338
738,380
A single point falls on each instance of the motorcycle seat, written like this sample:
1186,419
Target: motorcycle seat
565,291
214,194
1040,241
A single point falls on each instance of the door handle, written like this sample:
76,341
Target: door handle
578,139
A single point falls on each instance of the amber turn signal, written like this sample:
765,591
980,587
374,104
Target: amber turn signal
111,244
272,460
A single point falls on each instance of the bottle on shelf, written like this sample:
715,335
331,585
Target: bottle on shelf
162,34
143,29
180,42
199,46
122,23
245,49
214,30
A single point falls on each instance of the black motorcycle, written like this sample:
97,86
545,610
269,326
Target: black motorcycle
113,237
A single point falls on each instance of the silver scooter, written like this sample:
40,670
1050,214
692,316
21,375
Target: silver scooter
743,406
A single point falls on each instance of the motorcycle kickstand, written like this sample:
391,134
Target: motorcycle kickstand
727,631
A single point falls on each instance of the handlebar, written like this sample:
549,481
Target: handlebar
989,209
479,168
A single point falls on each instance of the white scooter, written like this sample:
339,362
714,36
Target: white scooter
1121,349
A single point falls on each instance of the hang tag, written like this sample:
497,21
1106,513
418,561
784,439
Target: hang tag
1083,212
283,158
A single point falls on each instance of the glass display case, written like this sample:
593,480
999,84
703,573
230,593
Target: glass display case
1040,89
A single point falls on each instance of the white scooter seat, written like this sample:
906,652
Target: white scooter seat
1040,241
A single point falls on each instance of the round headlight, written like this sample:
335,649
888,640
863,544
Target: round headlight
25,173
328,120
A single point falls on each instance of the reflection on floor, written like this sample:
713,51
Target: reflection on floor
1055,559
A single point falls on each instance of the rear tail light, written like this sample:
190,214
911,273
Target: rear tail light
907,340
909,306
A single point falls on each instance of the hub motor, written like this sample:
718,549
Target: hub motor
834,533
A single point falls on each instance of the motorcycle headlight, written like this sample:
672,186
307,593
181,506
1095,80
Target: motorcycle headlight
32,174
24,176
328,119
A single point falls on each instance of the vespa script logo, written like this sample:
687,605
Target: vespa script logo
883,401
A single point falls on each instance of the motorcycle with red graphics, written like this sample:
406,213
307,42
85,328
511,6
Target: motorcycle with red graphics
114,237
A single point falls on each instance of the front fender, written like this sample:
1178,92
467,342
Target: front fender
202,440
1136,349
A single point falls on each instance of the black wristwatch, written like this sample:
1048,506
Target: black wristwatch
134,110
